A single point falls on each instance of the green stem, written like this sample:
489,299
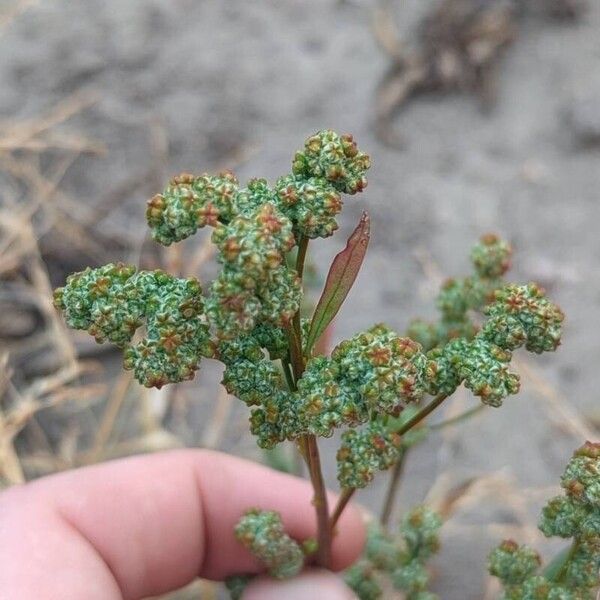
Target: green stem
301,256
289,377
308,443
424,412
392,490
458,418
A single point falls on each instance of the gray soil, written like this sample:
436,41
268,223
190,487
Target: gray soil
255,78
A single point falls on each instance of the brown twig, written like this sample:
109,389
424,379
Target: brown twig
343,500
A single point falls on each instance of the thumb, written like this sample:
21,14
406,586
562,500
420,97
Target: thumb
313,583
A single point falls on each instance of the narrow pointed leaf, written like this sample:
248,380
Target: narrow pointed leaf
341,277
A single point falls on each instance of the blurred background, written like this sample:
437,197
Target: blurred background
479,116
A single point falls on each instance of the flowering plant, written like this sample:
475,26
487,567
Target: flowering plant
373,386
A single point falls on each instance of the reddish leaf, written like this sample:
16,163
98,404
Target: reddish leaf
341,277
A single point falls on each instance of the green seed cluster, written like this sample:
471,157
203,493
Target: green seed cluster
329,164
400,558
364,452
256,381
361,578
513,564
311,203
335,158
490,259
236,585
113,301
254,285
575,515
262,533
491,256
519,316
522,315
375,372
189,203
481,366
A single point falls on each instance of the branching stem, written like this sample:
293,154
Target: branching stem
343,500
424,412
307,444
392,490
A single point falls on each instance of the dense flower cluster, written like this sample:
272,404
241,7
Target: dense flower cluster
309,197
519,316
575,515
262,532
191,202
490,259
402,558
255,228
523,316
113,301
335,158
375,372
254,285
364,452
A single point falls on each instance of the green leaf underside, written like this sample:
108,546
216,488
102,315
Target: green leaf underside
341,277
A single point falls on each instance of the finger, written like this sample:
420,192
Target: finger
315,583
151,524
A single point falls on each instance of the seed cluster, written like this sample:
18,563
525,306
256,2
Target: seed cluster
519,316
364,452
310,197
401,558
262,532
256,291
375,372
491,260
114,301
254,285
575,515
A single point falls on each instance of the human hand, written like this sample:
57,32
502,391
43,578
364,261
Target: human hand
147,525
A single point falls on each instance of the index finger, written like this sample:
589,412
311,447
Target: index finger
154,522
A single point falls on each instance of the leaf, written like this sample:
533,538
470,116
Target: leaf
341,277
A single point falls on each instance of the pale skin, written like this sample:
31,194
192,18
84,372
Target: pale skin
147,525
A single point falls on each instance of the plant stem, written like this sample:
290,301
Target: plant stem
392,491
320,502
424,412
289,377
296,349
308,443
343,500
458,418
301,256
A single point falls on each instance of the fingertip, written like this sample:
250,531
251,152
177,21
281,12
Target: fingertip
313,583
